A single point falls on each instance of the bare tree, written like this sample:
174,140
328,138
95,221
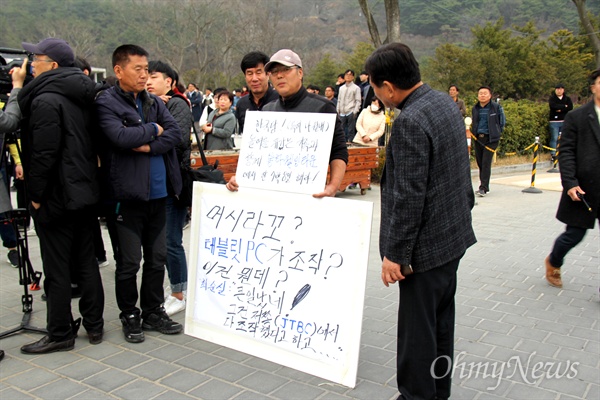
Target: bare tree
77,34
392,18
589,29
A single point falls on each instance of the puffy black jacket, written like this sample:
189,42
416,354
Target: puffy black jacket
313,103
179,108
59,159
127,172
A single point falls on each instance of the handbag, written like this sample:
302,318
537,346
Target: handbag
206,173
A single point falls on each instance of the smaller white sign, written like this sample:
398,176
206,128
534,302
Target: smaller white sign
285,151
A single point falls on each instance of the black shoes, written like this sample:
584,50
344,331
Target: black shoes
132,327
160,321
157,321
95,337
45,346
13,258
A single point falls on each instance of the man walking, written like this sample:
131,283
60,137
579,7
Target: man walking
140,165
426,202
488,124
60,170
579,159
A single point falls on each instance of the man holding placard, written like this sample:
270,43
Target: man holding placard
426,202
285,72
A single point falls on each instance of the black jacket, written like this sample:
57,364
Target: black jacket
246,103
179,108
496,120
559,107
579,159
59,159
126,172
313,103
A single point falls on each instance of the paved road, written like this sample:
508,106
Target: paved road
516,337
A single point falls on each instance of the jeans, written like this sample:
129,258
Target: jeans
484,159
349,126
555,129
176,263
565,243
140,225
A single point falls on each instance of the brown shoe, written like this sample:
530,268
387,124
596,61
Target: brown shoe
553,274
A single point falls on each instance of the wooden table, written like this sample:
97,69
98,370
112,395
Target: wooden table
361,160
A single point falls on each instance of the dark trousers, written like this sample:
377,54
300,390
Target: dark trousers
99,250
67,242
140,226
349,127
565,243
484,159
426,333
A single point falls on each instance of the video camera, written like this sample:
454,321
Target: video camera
10,58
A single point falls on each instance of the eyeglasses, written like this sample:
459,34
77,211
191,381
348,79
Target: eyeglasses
37,59
281,70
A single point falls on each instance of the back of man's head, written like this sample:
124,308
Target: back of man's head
83,65
253,60
394,63
122,53
163,68
593,76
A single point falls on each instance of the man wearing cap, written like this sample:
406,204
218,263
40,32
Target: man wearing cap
285,72
253,67
60,170
560,105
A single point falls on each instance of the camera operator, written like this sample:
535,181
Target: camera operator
10,117
9,121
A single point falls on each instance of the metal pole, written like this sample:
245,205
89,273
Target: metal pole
532,188
555,161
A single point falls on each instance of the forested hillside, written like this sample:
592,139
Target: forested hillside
205,39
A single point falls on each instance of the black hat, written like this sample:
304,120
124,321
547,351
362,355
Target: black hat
57,49
559,85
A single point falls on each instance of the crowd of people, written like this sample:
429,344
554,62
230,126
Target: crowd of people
119,150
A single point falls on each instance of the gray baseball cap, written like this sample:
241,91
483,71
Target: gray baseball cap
284,57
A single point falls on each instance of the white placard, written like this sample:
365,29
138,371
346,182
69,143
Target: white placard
280,276
285,151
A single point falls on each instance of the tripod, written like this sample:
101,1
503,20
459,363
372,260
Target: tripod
18,219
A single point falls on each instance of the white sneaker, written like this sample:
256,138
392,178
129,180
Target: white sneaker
173,305
167,291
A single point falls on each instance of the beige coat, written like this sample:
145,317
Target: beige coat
369,124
